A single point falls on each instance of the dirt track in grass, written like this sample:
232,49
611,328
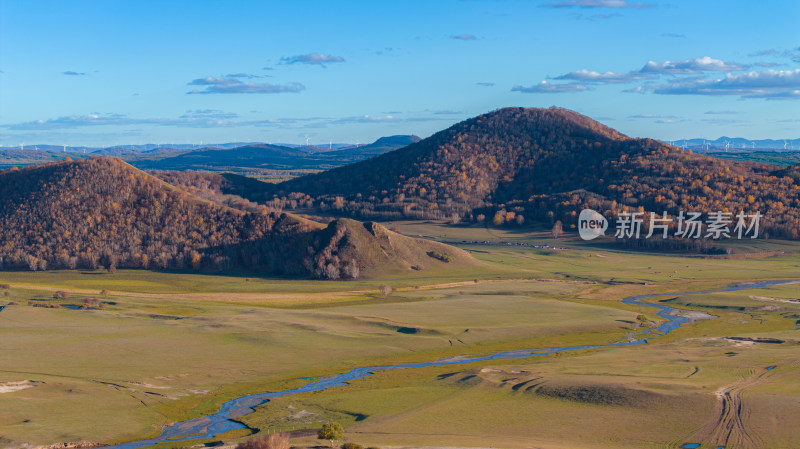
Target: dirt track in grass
729,428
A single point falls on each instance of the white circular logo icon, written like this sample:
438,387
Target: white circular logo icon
591,224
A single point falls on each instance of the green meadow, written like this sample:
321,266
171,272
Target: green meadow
153,348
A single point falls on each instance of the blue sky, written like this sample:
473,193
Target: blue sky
131,72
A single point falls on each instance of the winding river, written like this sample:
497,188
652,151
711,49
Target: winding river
222,421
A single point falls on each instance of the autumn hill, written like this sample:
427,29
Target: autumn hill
102,212
520,165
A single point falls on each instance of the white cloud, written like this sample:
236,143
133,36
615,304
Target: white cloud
771,84
652,70
236,86
209,114
244,75
311,58
367,119
193,119
590,76
690,66
635,90
550,88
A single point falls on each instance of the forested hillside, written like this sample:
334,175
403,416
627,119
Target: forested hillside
101,212
225,188
517,165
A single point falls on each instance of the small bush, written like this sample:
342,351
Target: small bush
61,295
44,305
352,446
271,441
438,255
5,286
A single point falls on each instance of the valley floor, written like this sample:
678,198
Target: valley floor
148,349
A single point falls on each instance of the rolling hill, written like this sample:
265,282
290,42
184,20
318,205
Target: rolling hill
102,212
380,146
545,165
349,249
246,158
14,157
261,156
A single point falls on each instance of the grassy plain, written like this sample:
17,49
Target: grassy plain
171,346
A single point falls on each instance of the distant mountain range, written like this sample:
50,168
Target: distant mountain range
229,156
733,143
380,146
737,145
387,143
123,149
